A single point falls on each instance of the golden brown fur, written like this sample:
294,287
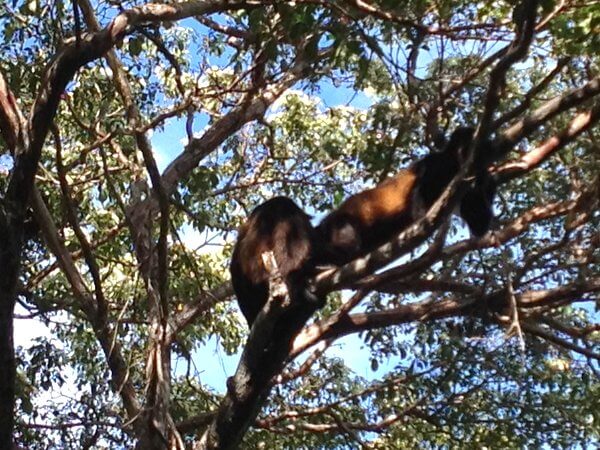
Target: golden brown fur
388,200
373,217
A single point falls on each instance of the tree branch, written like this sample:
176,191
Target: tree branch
106,337
263,357
13,125
192,310
86,249
430,310
530,96
548,336
524,14
356,323
581,122
547,111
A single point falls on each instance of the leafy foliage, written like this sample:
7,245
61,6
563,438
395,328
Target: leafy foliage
314,102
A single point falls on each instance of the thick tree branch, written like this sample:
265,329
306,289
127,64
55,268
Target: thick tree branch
581,122
525,15
52,238
197,422
512,229
72,57
430,310
13,125
550,298
356,323
263,357
547,111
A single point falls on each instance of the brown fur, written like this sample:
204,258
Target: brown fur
373,217
388,200
368,219
280,226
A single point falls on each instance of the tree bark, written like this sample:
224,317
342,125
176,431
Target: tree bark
10,249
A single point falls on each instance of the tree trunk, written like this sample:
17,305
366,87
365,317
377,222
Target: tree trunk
9,268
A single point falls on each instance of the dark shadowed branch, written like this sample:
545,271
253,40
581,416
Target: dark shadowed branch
524,15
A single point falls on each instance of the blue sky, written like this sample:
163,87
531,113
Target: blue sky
214,364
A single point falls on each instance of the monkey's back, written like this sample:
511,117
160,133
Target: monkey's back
368,219
280,226
388,201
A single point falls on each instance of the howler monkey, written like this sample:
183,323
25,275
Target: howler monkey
280,226
370,218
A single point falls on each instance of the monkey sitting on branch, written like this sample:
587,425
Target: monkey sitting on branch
373,217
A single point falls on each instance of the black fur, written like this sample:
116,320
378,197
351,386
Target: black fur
370,218
280,226
436,170
476,206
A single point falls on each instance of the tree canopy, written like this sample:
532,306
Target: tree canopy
136,137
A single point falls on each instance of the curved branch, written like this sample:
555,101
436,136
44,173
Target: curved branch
580,123
12,123
547,111
526,11
60,71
